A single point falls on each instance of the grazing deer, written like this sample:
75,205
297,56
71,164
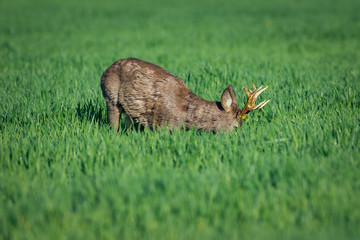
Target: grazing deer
152,97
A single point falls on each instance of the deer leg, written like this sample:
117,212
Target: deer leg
128,122
114,113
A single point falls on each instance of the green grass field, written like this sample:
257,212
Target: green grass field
291,172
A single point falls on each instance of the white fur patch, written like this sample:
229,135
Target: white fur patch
228,102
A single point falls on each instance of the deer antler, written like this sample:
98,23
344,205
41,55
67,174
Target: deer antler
250,104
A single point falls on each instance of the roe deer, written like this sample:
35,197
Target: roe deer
152,97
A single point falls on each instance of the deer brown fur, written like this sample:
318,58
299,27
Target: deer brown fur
152,97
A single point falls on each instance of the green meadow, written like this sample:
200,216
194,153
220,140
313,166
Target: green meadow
291,172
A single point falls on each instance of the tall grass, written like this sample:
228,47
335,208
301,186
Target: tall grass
292,171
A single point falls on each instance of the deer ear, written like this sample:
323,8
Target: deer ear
227,98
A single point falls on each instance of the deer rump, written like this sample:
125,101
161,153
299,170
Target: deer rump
152,97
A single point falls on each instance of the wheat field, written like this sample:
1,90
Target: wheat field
291,172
